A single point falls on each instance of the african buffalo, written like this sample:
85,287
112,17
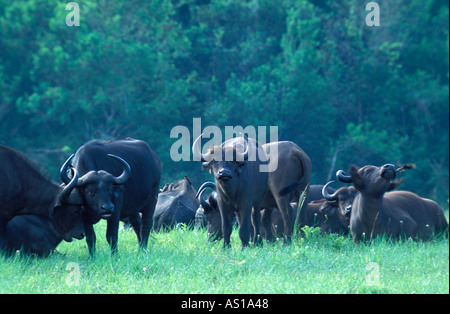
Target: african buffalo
277,188
343,200
176,204
41,235
136,193
25,191
396,214
208,210
241,185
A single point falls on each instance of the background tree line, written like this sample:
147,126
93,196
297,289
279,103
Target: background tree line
345,92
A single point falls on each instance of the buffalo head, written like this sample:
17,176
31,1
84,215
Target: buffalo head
209,213
96,189
342,197
372,180
226,162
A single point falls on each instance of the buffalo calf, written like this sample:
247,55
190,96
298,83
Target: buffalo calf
40,235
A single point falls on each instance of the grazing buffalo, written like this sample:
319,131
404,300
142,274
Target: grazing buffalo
241,185
176,204
25,191
340,200
40,235
396,214
134,190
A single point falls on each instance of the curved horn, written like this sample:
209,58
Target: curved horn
197,151
201,191
343,177
205,185
244,156
126,170
203,202
64,197
326,195
63,172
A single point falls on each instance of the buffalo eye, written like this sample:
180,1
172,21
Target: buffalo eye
91,192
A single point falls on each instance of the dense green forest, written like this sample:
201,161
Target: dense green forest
342,90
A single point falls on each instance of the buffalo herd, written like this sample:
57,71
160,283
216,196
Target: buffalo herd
264,189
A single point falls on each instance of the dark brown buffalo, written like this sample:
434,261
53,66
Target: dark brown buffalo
176,204
343,202
25,191
395,214
241,185
289,174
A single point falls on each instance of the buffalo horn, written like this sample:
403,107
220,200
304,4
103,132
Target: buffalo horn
126,170
205,185
63,172
64,197
197,152
243,156
326,195
343,177
201,192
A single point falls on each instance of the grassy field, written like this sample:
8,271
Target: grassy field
182,261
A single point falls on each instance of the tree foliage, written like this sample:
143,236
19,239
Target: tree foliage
345,92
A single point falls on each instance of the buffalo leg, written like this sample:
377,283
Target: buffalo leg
135,221
244,226
227,216
256,222
266,221
288,217
147,221
112,230
90,237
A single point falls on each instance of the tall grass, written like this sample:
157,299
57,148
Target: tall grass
182,261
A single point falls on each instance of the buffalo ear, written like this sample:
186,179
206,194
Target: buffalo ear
207,207
207,165
329,207
394,184
331,210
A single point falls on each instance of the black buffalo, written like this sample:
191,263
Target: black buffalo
395,214
25,191
176,204
40,235
139,170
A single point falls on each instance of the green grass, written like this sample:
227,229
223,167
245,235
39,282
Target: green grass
182,261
